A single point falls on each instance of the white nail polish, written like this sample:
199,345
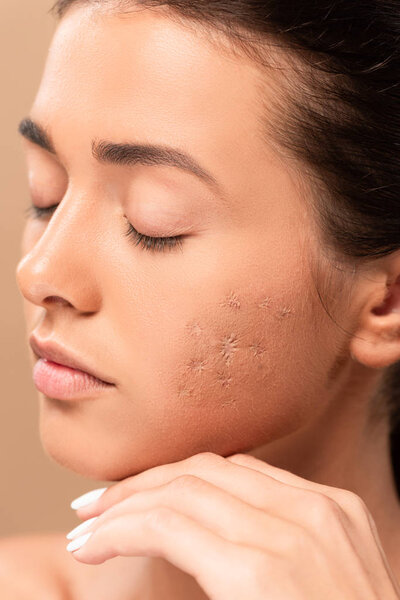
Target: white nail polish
81,527
79,541
87,498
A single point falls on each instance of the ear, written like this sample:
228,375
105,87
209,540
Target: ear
376,341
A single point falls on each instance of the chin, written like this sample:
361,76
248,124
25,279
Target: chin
103,462
84,466
83,456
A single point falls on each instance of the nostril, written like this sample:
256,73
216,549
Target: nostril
56,300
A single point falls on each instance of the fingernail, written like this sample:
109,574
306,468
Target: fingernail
81,527
79,541
87,498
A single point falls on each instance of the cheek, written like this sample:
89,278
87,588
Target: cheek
241,373
224,349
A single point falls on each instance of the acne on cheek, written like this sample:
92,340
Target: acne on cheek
230,351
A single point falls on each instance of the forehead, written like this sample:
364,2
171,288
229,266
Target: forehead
144,69
147,78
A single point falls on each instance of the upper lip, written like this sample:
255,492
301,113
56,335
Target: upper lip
50,350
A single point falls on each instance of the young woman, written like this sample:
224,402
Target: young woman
211,282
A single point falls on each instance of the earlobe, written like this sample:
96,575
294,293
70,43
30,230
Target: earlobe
376,343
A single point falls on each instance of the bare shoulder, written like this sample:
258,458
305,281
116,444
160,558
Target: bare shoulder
38,567
35,566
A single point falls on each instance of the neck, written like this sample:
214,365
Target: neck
348,446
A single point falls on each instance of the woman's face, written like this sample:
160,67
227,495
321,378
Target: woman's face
218,344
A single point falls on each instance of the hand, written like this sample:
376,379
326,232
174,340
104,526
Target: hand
243,529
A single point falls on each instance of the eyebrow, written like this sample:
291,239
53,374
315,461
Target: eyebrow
127,154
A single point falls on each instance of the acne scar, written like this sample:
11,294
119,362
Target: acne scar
224,379
266,302
194,329
257,349
229,347
184,392
196,365
285,311
231,301
231,402
228,338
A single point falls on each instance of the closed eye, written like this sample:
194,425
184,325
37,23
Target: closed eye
155,244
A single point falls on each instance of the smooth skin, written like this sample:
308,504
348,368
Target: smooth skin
219,347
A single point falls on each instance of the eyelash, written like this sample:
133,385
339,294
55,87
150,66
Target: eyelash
156,244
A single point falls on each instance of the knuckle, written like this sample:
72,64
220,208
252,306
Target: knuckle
205,459
245,459
353,501
186,482
323,509
241,456
158,519
355,509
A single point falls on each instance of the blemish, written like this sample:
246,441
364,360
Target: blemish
184,392
257,349
196,365
194,329
224,379
231,301
231,402
285,311
229,347
266,303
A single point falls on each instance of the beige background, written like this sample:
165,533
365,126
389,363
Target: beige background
35,491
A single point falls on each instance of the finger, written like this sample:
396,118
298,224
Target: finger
257,489
226,515
291,504
250,479
352,504
206,465
307,508
349,508
247,460
161,532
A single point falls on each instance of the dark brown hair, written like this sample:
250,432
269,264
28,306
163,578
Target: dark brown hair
339,117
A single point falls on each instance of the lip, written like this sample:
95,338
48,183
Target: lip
55,352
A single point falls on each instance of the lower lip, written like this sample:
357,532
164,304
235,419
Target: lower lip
57,381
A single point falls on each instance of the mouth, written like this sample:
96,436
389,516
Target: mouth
61,374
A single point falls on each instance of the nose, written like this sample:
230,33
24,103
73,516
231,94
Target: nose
59,267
